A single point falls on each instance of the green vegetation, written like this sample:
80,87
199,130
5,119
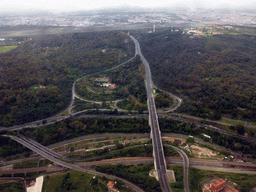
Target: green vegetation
54,62
129,81
244,182
137,174
8,147
163,100
253,124
169,152
146,151
26,164
71,128
7,48
232,122
214,74
228,141
78,181
31,164
11,187
178,186
82,105
190,140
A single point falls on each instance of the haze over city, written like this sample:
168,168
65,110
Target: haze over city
17,6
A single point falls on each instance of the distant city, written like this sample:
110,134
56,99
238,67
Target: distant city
111,18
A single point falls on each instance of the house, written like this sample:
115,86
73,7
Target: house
217,185
111,186
112,87
106,84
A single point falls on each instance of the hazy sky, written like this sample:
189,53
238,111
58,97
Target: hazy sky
74,5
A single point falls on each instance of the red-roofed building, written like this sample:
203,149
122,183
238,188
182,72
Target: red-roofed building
217,185
112,87
110,184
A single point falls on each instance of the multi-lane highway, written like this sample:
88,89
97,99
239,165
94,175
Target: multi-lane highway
48,154
159,159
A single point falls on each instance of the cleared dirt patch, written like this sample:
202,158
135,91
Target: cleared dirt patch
202,152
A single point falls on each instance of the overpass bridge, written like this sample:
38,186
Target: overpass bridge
158,152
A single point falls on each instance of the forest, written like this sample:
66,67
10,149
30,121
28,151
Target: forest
71,128
36,77
215,75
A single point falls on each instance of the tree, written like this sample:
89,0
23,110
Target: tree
240,129
72,149
190,140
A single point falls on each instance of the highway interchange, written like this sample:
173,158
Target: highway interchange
159,158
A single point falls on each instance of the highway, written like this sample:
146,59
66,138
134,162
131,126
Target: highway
185,166
50,156
224,166
158,153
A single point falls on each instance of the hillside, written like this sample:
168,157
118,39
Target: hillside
36,77
215,74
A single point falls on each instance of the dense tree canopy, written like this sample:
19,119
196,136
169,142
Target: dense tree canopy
53,62
216,73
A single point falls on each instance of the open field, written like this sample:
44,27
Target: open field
233,122
78,181
7,48
253,124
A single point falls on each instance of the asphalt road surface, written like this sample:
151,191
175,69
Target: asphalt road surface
159,159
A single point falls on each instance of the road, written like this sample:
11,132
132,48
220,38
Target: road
48,155
204,164
57,117
177,118
185,166
159,159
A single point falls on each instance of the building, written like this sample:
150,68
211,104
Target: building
217,185
111,186
112,87
106,84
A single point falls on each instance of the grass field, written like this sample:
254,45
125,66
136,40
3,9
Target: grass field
79,182
232,122
7,48
253,124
